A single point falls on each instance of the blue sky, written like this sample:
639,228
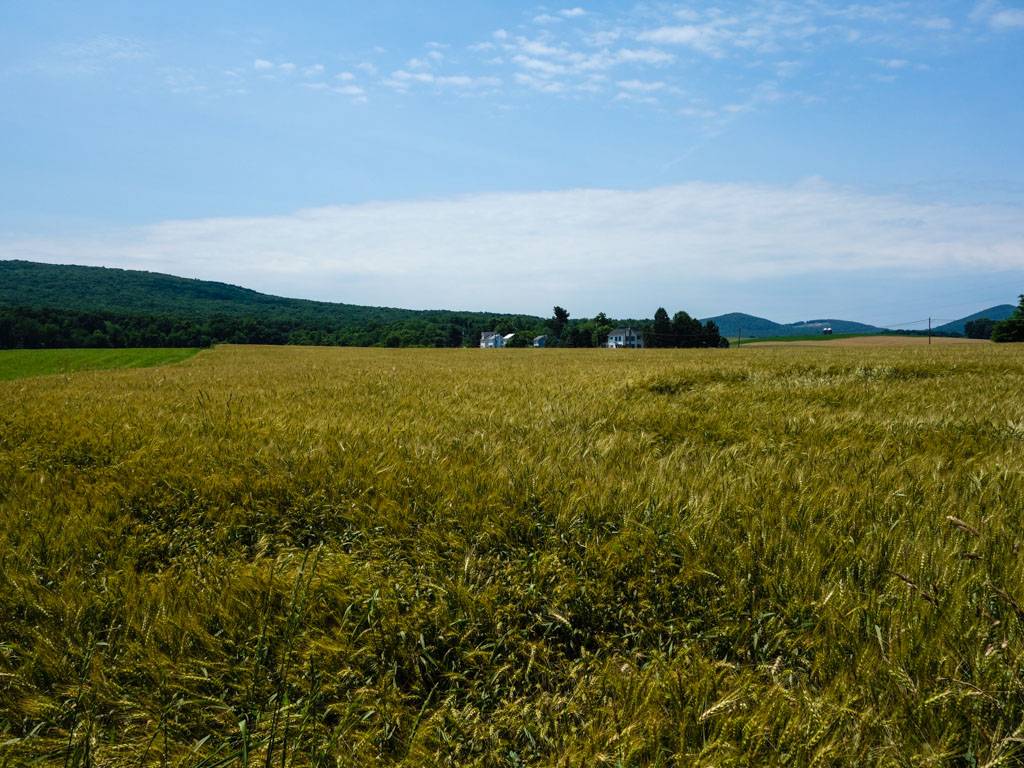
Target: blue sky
792,158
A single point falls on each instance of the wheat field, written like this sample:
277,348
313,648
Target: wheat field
342,557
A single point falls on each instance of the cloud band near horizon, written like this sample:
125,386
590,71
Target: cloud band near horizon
584,248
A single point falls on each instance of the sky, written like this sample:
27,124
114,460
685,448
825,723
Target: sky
794,159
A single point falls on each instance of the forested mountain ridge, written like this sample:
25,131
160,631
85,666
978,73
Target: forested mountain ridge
108,289
996,313
66,305
750,326
50,305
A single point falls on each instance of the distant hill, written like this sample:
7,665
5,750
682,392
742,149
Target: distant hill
30,284
837,326
753,327
998,312
50,305
731,324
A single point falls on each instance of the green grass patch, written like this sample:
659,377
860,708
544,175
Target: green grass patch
23,363
802,337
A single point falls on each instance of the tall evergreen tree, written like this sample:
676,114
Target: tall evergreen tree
712,337
686,330
661,332
558,321
1012,328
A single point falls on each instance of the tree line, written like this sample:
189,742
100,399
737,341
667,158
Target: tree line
1008,330
1012,328
44,327
35,328
681,330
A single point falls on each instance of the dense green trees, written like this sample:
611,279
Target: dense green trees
558,321
35,328
684,331
980,328
661,332
47,305
51,306
1011,329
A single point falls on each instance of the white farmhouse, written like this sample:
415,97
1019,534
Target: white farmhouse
625,338
491,340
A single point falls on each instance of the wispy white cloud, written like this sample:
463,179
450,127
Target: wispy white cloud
555,66
403,80
571,242
267,67
641,85
1008,18
643,56
356,92
936,23
700,38
539,83
997,15
578,52
183,81
91,56
106,48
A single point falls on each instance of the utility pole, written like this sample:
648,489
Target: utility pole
929,330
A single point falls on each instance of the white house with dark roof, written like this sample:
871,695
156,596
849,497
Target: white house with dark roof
491,340
625,338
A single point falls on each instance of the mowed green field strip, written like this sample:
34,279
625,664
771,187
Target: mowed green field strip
802,337
23,363
302,556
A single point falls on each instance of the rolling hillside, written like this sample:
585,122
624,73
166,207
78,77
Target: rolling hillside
998,312
753,327
122,291
48,305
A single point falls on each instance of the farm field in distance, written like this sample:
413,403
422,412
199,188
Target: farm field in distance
299,556
880,340
22,363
